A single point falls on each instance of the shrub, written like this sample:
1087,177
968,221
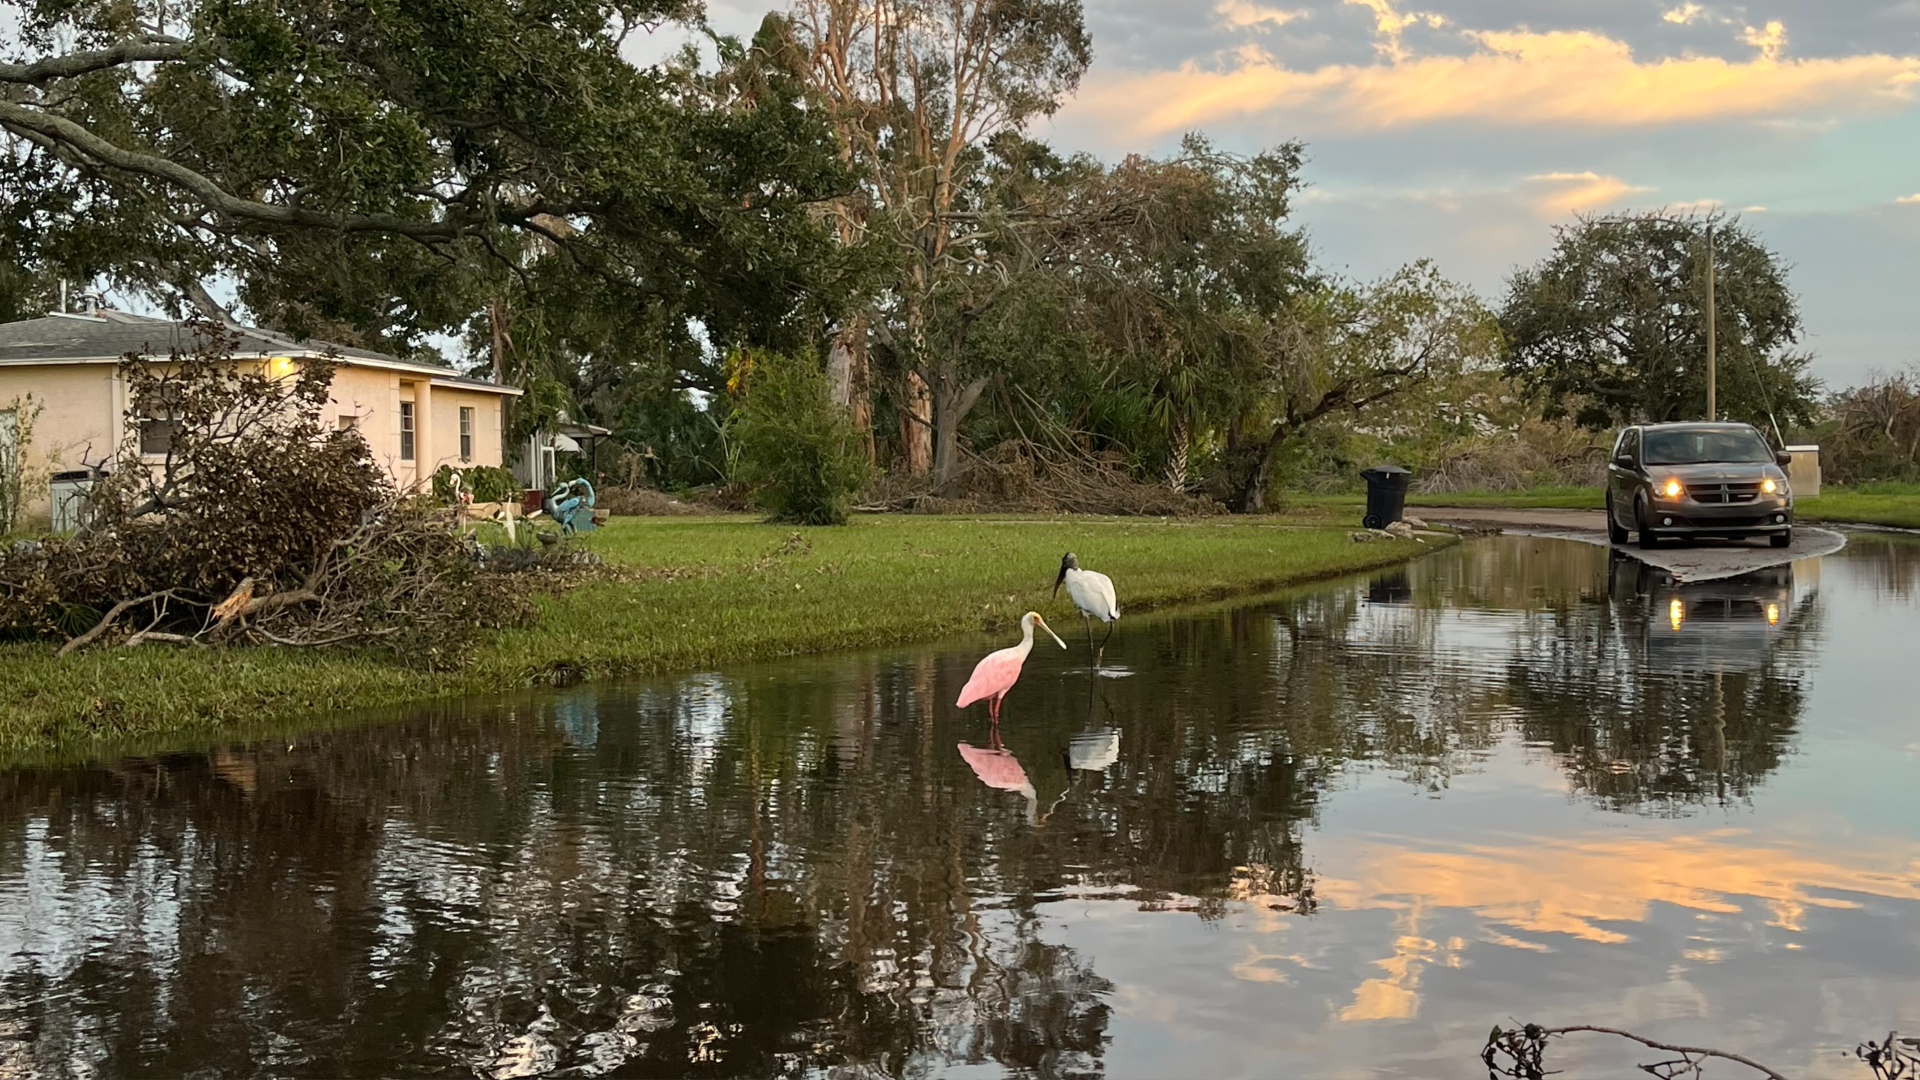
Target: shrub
485,483
256,523
799,453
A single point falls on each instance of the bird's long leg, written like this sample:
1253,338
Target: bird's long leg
1089,621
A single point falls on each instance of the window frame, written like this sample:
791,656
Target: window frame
409,431
467,419
152,417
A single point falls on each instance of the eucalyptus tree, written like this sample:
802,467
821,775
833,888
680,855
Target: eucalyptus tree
1611,327
915,90
382,171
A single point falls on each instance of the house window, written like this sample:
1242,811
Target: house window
406,431
159,424
466,434
349,423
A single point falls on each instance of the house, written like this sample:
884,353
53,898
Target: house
415,417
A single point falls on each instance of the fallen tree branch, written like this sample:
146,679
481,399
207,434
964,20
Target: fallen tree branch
1524,1048
106,621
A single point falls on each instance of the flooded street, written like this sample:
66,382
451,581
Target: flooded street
1338,833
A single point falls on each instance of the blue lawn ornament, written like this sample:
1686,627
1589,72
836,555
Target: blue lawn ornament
571,504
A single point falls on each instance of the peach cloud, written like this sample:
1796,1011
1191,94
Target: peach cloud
1557,194
1513,77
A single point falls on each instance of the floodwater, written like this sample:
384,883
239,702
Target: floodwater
1338,833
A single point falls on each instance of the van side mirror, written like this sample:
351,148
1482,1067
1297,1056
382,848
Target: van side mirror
1625,461
1783,459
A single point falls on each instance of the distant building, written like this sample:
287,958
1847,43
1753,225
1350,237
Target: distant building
415,417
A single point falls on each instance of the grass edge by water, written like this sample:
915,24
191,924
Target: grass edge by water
722,598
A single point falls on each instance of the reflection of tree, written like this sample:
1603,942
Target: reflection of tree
790,866
1646,712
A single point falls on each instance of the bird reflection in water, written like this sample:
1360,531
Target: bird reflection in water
997,768
1092,750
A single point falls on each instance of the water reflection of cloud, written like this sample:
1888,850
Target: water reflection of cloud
1585,886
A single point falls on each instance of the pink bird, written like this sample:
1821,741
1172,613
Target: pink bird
995,675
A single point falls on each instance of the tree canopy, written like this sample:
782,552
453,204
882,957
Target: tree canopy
1611,327
376,172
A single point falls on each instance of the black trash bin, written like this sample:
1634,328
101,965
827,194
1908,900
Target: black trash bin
1386,495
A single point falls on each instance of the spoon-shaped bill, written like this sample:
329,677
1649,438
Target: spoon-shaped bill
1050,633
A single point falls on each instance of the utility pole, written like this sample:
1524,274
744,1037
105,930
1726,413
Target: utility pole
1712,411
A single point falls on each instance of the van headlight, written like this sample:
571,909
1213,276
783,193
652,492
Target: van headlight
1671,489
1770,486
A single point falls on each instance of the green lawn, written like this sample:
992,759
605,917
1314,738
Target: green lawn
1871,504
684,593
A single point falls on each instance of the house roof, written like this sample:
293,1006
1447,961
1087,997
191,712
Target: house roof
106,336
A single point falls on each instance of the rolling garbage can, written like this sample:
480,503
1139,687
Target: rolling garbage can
1386,495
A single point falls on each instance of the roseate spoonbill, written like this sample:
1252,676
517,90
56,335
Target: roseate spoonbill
1092,593
995,675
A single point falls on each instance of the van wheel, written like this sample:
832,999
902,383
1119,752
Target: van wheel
1781,540
1615,533
1647,539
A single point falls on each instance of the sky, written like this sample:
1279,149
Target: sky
1465,130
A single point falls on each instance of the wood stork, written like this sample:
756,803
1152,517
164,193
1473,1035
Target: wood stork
996,674
1092,593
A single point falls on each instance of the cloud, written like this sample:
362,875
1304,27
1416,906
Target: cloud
1913,198
1510,78
1241,14
1390,24
1683,14
1573,192
1770,39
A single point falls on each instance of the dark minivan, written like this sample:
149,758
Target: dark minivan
1688,480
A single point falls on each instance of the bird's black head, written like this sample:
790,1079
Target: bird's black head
1067,562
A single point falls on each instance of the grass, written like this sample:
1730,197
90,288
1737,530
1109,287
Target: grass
684,593
1886,504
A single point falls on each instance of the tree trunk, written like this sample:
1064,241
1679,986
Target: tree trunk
847,375
1247,469
952,401
916,426
1177,459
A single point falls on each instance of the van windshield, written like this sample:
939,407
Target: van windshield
1701,447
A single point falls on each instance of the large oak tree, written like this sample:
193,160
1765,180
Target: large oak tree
377,171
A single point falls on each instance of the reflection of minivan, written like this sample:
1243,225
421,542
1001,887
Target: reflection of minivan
1725,624
1697,480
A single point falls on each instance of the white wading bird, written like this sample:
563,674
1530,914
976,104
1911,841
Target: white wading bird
1092,593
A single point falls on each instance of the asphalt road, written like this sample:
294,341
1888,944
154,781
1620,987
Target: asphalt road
1702,560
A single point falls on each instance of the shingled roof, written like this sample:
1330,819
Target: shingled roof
106,336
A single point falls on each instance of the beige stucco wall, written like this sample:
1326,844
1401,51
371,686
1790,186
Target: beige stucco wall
445,425
78,424
82,406
374,397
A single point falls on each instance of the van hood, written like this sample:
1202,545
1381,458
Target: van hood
1719,472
